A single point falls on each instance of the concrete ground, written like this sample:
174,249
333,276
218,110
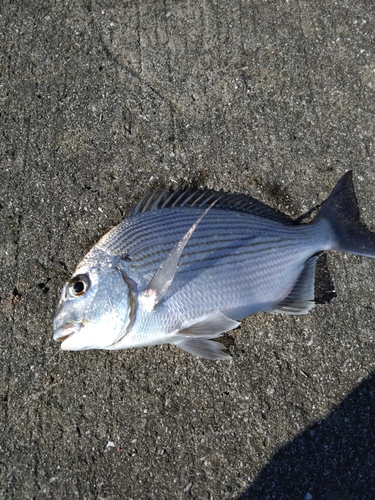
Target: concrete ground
99,100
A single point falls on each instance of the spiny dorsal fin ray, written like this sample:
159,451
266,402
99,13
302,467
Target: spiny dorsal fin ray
301,298
163,277
202,198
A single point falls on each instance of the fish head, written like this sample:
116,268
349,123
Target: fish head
96,307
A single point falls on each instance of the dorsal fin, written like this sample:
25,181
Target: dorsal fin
158,199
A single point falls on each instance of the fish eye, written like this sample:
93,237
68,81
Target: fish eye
79,285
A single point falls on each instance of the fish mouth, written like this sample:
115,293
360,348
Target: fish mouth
65,331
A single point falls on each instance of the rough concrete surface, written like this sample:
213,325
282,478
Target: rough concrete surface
100,100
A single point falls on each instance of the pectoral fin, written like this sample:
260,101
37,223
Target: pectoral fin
195,338
163,277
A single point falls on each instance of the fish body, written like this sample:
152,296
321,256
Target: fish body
186,266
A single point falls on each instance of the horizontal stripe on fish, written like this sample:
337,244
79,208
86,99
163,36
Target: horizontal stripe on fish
150,255
203,258
171,226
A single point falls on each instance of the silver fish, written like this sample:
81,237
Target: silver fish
185,266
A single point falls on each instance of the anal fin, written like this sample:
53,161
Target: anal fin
195,338
301,299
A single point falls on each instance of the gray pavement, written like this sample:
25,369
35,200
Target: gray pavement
99,100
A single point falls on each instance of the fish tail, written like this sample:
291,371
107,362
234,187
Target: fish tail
341,211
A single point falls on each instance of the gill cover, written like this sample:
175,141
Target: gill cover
96,307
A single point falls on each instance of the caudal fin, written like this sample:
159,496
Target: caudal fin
342,212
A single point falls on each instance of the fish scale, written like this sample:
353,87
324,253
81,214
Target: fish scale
150,254
185,266
244,272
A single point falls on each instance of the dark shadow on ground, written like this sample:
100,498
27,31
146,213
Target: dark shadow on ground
332,459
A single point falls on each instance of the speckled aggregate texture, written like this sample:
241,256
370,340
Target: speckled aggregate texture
101,100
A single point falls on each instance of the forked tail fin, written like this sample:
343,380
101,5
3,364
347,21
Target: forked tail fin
342,213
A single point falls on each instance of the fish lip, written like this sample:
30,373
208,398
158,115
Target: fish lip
64,331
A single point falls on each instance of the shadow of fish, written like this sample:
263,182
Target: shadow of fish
186,266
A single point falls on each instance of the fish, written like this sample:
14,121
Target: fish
185,266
